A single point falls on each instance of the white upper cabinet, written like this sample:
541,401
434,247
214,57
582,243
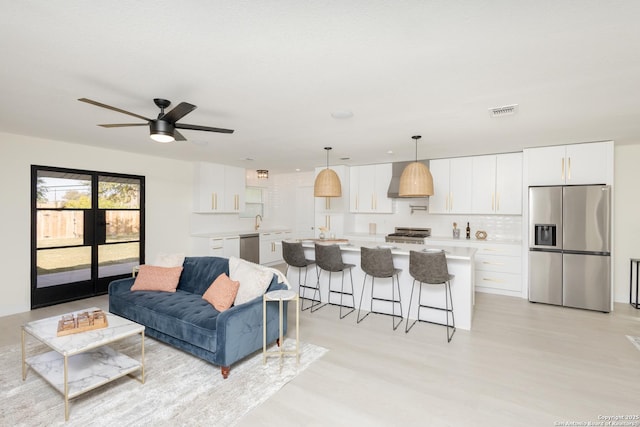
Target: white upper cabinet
452,186
497,184
368,189
218,188
575,164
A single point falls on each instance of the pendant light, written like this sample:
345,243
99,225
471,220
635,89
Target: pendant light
416,180
327,182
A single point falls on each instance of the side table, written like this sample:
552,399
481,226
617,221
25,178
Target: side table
633,303
280,296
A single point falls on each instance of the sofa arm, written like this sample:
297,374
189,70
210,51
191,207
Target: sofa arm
121,286
239,329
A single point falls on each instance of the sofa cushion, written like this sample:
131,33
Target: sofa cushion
254,279
182,315
152,278
222,292
200,272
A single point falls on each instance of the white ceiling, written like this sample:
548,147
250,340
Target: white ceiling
275,70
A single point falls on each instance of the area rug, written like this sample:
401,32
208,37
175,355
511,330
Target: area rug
635,341
179,389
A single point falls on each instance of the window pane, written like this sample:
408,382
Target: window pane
58,266
117,259
59,228
63,190
118,193
122,226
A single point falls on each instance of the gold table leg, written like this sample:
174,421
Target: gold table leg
264,330
24,361
66,388
142,359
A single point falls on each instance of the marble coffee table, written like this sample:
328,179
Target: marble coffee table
81,362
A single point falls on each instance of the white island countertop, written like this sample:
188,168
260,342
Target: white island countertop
451,252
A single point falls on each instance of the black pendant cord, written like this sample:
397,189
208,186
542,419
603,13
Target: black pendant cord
327,148
416,138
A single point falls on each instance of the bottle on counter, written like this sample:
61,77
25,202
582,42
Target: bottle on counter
468,231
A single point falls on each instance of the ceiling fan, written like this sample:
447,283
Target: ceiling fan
163,128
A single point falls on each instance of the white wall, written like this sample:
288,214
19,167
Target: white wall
626,216
168,202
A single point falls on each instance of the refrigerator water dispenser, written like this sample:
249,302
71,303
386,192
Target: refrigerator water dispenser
545,234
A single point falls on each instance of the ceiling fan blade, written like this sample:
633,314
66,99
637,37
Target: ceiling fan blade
178,112
204,128
178,136
121,125
109,107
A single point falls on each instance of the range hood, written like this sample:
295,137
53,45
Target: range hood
394,185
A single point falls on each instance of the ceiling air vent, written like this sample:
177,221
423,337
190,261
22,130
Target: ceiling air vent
506,110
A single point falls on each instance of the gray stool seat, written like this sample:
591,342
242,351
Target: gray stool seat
431,268
293,254
329,259
378,263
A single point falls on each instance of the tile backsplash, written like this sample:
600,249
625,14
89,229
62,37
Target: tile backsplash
502,227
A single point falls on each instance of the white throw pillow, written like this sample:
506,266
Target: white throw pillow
254,279
169,260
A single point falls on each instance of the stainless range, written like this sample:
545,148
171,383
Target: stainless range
409,235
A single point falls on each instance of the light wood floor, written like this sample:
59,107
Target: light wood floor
522,364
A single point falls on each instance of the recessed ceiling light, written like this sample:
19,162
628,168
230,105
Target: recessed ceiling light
390,152
297,169
342,114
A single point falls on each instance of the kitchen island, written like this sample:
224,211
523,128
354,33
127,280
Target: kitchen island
460,261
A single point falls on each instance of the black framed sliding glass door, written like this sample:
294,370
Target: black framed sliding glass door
87,229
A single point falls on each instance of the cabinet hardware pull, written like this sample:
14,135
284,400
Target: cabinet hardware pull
492,280
357,203
498,202
451,202
562,175
569,169
493,197
493,263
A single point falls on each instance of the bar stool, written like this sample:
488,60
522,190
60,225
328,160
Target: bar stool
329,258
378,263
293,255
431,268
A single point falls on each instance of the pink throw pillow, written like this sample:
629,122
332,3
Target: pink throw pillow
153,278
222,292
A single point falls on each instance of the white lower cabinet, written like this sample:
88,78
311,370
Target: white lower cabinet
231,246
270,250
224,246
499,269
498,266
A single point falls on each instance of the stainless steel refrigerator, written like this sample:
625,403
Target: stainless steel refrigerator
569,246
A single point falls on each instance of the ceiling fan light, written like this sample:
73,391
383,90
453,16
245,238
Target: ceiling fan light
161,131
416,181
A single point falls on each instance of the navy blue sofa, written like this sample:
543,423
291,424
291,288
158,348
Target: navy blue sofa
186,321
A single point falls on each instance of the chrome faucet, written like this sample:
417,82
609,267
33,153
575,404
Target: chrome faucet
258,224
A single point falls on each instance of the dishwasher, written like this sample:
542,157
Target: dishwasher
250,247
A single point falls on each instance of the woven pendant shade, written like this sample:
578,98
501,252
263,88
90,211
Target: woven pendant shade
327,182
416,181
